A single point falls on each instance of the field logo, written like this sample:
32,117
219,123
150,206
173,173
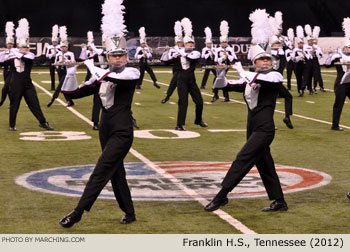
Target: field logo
146,184
174,134
54,136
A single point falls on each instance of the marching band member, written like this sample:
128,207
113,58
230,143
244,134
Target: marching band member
319,54
63,57
186,80
143,53
310,54
342,82
90,51
223,55
279,61
289,58
208,53
51,53
19,81
284,41
4,55
87,52
170,57
116,87
260,90
299,57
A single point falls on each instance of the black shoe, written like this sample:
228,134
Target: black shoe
12,128
202,124
310,92
301,93
138,87
156,85
45,125
50,103
314,91
216,204
322,89
227,99
288,122
348,195
180,128
135,124
276,206
69,220
52,89
215,97
337,128
165,99
96,126
70,104
202,87
127,219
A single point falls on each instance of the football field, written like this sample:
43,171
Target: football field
173,174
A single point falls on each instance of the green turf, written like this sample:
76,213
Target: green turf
309,145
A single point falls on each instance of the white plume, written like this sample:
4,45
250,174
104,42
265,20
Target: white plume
22,31
208,33
346,27
290,34
9,28
278,18
260,26
308,30
178,29
55,31
224,28
273,26
90,36
142,33
113,19
63,33
300,31
316,32
187,25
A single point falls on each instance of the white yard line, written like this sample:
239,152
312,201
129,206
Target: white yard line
279,111
223,215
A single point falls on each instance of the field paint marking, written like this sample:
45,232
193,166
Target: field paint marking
172,103
227,130
312,102
137,103
279,111
209,103
223,215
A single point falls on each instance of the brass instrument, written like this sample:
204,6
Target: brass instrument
83,45
70,64
3,49
342,63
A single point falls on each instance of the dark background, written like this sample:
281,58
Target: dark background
158,16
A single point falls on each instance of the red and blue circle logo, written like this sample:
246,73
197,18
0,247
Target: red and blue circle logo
203,179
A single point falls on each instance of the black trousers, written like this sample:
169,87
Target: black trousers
96,108
144,66
283,63
185,87
52,75
290,70
299,74
23,88
61,75
110,167
341,91
206,75
4,92
256,151
317,74
173,84
307,75
288,100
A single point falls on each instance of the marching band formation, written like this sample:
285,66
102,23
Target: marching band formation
112,85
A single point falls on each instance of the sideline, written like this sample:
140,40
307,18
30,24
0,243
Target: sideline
223,215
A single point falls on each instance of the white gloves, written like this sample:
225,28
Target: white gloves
238,67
